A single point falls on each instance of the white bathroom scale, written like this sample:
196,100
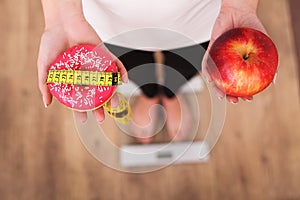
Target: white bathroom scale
163,154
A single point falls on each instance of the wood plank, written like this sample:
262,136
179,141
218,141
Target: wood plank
294,6
42,157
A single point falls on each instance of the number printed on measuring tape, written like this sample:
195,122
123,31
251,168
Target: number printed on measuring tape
78,77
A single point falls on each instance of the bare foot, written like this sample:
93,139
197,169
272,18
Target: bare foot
143,119
178,117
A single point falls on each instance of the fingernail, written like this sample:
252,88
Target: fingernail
220,98
82,119
233,102
100,122
114,105
248,100
275,78
125,79
207,78
44,101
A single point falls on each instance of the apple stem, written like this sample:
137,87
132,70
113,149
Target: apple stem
246,56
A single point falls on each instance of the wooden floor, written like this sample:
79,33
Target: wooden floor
295,16
41,157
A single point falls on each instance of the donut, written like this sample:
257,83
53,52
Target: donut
82,58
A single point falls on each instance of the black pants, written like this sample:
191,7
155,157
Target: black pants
180,65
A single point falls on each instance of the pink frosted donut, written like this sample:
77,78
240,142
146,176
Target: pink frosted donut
84,58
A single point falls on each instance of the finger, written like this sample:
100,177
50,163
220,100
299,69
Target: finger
47,54
220,94
257,25
46,95
231,99
204,70
42,77
120,66
248,99
122,70
114,101
80,116
275,78
99,115
207,61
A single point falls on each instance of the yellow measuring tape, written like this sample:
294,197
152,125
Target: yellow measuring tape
77,77
121,114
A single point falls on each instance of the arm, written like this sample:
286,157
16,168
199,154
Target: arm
237,13
247,5
60,11
65,26
233,14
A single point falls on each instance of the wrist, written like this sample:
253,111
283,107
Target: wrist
242,5
61,12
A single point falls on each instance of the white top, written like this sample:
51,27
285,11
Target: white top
152,24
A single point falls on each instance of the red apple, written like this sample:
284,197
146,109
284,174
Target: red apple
83,97
242,62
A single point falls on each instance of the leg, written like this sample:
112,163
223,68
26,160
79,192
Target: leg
140,67
182,64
